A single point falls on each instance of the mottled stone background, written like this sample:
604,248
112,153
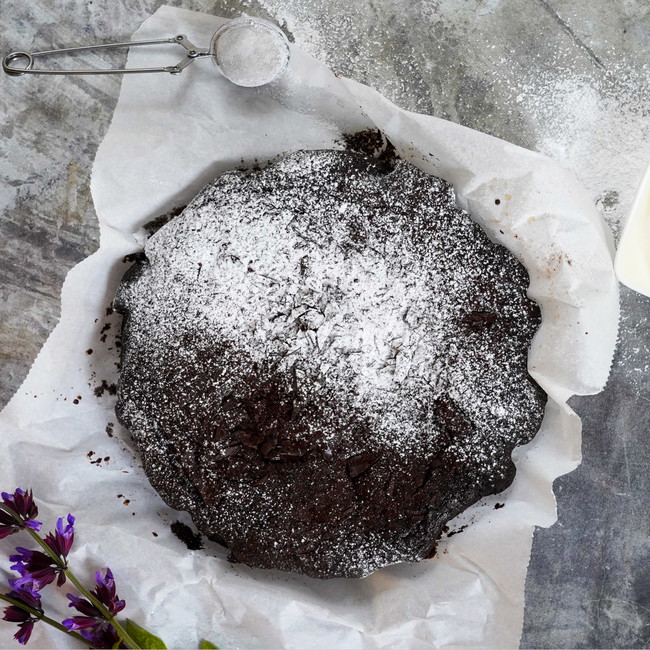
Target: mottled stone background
567,77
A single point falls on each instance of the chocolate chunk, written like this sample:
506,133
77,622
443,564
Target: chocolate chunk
357,465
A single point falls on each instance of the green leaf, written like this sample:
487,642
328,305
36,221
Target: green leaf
143,637
206,645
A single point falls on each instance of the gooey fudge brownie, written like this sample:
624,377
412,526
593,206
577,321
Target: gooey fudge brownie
324,361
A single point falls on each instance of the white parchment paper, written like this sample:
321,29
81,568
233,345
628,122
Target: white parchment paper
170,135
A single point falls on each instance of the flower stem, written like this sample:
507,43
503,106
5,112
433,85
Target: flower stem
46,619
76,582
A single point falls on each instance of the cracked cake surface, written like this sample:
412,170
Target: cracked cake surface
326,360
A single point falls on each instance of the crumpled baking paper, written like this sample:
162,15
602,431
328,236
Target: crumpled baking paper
170,135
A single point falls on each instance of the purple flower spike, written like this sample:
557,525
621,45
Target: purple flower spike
80,622
99,632
36,567
92,625
61,541
102,635
40,568
86,608
105,592
22,504
26,594
24,632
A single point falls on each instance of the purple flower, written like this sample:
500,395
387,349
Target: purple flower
106,594
8,525
40,568
61,541
28,595
21,504
36,567
92,625
90,613
101,635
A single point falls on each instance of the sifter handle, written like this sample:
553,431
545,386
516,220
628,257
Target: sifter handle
28,58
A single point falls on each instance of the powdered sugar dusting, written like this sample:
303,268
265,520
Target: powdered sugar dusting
359,323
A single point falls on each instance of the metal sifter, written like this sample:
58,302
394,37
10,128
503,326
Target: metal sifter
247,51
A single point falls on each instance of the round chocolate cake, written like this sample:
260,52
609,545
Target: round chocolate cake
324,361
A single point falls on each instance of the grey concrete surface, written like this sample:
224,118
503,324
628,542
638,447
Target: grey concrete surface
567,77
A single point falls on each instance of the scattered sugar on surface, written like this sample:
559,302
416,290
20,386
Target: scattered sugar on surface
596,124
585,103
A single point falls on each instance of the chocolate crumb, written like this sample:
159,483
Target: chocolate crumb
372,143
499,505
156,224
154,534
134,257
191,539
451,533
105,387
433,551
89,351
